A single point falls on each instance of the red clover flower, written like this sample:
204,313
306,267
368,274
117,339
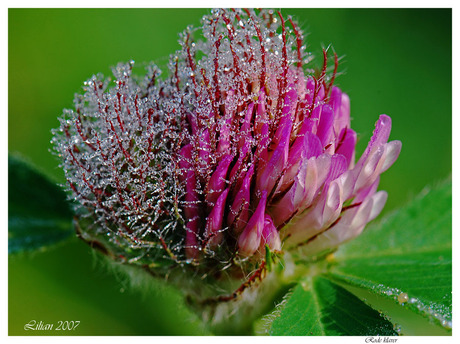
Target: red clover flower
239,152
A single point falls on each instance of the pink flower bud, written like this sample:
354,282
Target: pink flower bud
240,147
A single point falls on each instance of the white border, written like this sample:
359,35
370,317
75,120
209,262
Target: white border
207,4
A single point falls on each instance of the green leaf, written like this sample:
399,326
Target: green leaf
407,257
320,307
38,213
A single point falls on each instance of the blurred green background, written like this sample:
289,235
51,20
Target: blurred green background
397,62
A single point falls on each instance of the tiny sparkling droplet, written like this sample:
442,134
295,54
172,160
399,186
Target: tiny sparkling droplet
403,298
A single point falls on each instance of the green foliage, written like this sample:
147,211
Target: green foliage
320,307
405,258
38,213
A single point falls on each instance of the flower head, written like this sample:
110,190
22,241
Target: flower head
239,150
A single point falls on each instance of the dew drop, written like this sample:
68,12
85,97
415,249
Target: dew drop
403,298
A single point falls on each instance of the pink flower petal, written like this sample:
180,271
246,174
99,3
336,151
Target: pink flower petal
349,226
218,180
323,212
185,157
392,150
236,174
304,147
379,200
379,137
238,214
370,169
191,238
270,235
204,148
341,109
367,192
215,220
337,167
324,130
346,145
323,166
269,174
249,240
226,123
348,180
310,90
335,100
261,113
245,130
